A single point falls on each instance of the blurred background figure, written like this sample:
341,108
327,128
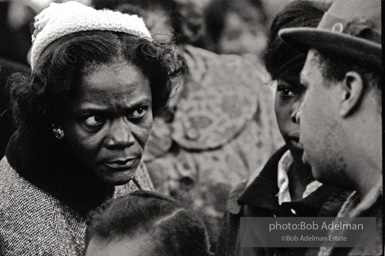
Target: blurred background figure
236,26
15,18
7,67
240,26
273,7
15,42
181,20
219,126
145,223
15,39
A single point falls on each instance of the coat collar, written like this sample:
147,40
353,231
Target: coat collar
262,192
47,164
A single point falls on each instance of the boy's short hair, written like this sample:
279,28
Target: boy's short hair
176,229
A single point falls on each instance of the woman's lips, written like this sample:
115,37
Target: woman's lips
121,164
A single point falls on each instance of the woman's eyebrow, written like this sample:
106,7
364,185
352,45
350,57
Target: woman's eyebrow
140,101
105,109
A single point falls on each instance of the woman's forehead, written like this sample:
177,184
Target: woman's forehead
113,83
113,61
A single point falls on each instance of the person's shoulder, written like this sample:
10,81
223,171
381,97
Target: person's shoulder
32,220
19,195
11,184
21,201
219,92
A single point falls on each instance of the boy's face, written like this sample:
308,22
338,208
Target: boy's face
137,246
288,94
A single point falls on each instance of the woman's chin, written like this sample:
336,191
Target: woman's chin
113,175
116,181
119,178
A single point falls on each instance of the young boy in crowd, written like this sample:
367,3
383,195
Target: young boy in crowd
285,186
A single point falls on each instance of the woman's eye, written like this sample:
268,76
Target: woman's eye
138,113
285,91
94,121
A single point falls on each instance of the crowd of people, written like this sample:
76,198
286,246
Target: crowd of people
132,127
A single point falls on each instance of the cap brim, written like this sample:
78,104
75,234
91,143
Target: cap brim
341,44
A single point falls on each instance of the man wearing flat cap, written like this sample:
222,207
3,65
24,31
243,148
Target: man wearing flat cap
340,115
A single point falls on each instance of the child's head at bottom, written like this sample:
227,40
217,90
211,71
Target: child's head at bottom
145,223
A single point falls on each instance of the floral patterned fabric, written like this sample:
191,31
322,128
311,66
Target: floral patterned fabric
220,127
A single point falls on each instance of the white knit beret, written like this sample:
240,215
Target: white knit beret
59,20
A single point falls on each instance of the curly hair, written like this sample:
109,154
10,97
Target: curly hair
42,98
176,229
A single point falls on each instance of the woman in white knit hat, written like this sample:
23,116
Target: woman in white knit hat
84,116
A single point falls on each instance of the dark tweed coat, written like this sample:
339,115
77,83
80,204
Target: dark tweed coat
44,201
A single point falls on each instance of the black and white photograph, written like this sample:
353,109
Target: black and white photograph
191,128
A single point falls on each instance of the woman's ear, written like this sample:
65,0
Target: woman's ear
351,93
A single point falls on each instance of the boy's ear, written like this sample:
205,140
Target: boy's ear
352,90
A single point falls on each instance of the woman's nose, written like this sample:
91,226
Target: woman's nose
120,134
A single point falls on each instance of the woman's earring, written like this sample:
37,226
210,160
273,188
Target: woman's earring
57,131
